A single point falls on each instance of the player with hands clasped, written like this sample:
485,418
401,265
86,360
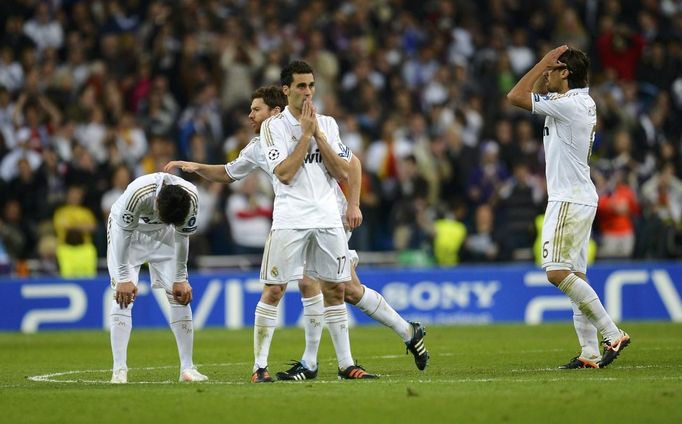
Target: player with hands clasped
151,223
557,87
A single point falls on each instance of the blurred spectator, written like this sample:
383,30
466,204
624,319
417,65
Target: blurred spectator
488,176
617,213
619,50
76,257
521,198
130,140
17,237
448,236
662,198
249,213
74,216
482,244
43,29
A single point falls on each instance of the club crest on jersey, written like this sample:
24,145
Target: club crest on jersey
274,271
128,218
273,154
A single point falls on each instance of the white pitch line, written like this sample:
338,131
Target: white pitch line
50,377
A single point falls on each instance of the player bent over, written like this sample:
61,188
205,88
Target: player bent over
557,87
151,223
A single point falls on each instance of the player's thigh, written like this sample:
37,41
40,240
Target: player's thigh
115,236
328,258
157,249
284,256
566,235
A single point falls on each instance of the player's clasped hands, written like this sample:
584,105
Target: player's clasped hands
308,118
125,294
182,292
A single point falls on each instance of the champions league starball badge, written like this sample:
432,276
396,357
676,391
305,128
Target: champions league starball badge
128,218
273,154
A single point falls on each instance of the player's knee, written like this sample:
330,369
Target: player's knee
272,293
333,293
557,276
353,293
308,287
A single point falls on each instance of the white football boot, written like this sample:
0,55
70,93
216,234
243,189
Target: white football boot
119,376
191,374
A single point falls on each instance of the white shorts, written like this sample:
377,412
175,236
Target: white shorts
566,235
156,248
320,253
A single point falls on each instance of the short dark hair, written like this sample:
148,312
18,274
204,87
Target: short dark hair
272,96
578,65
286,77
173,203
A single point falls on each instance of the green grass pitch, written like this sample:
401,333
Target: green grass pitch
497,373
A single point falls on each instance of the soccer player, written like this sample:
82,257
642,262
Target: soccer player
557,87
151,223
267,102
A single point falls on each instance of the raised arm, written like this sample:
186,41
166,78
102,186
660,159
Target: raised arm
520,95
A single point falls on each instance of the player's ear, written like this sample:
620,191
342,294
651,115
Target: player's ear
285,90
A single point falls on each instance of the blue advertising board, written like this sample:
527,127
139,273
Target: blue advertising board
465,294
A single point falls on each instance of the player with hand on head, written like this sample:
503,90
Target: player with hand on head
557,87
151,223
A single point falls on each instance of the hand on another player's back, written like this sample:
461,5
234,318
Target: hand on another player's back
182,292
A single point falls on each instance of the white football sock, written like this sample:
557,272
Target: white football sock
588,302
121,325
263,330
336,318
313,314
587,335
375,306
181,324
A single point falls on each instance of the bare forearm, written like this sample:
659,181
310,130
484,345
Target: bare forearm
520,94
337,166
288,168
354,181
215,173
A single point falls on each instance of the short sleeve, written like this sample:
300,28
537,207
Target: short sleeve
245,163
273,142
554,105
334,140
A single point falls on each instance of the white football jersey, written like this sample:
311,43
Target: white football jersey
309,201
568,136
136,210
250,158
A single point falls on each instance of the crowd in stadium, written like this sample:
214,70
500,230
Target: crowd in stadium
94,93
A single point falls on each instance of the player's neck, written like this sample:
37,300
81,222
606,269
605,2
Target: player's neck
295,112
